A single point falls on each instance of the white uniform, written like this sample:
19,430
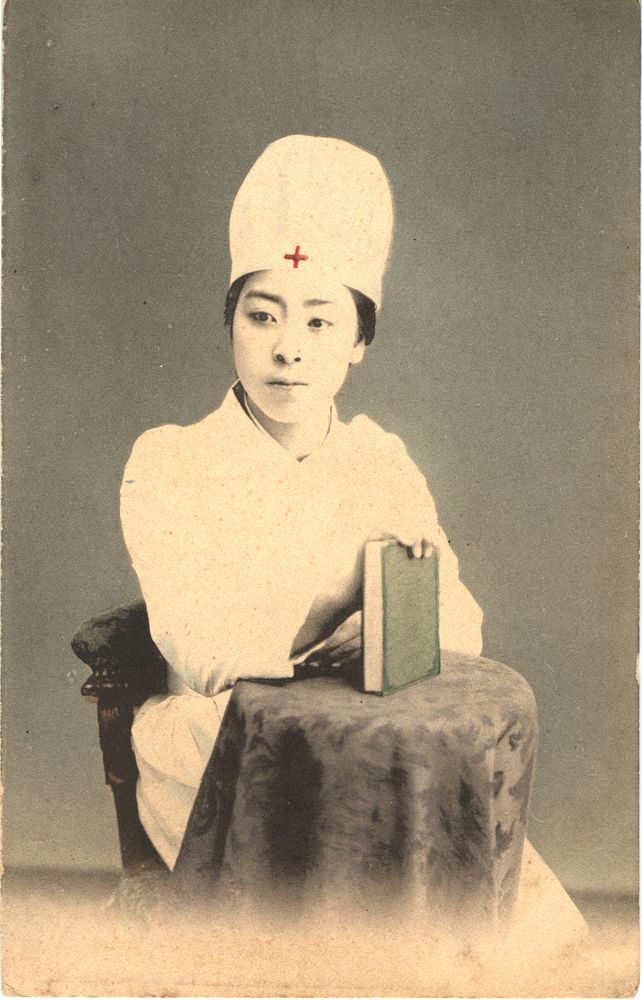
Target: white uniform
246,556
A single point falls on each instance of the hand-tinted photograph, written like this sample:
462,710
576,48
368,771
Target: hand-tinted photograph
320,498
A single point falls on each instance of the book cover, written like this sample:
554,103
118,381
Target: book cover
400,617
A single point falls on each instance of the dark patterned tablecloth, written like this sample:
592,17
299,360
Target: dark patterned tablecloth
316,792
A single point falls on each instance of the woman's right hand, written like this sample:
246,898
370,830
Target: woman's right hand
342,648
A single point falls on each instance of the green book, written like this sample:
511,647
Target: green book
400,617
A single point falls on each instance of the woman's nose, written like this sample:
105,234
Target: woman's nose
286,352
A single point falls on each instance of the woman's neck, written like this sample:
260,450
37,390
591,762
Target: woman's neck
299,439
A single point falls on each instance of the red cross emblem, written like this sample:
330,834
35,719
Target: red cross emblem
295,257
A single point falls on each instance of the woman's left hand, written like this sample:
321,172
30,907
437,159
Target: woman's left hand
419,548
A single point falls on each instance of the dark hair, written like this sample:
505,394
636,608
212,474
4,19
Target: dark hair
366,311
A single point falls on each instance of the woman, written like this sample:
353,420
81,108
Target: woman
246,529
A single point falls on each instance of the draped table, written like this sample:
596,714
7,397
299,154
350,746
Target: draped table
318,793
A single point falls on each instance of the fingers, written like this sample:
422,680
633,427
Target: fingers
338,655
344,661
347,631
340,648
349,659
334,662
337,641
421,548
346,648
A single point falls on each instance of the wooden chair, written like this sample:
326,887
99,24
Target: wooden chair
126,669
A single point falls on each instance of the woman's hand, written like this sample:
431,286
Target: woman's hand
418,547
341,648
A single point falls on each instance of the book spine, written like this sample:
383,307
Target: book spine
373,619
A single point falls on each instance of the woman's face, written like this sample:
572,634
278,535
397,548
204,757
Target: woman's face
294,337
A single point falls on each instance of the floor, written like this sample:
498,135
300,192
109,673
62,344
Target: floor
67,933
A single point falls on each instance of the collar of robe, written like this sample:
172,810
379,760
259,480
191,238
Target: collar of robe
241,397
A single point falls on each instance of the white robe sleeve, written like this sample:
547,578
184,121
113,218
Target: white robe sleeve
197,618
414,515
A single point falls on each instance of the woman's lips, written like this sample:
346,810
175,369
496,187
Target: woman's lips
284,386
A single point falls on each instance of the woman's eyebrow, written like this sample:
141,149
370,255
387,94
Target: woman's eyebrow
265,295
269,297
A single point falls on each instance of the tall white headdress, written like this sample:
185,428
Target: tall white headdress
316,203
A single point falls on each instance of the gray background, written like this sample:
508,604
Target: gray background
506,354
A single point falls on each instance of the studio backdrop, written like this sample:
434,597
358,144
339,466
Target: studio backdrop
505,355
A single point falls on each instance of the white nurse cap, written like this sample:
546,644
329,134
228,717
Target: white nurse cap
316,203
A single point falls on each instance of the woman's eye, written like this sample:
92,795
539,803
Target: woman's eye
262,317
317,323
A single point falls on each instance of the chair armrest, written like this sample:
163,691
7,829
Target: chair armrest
121,653
127,668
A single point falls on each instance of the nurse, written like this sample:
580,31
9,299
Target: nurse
246,529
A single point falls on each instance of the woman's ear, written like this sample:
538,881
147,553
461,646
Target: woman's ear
358,352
